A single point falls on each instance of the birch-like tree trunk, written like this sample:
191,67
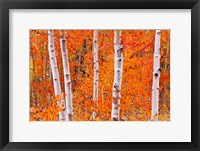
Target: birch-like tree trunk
96,68
66,115
53,63
156,77
118,68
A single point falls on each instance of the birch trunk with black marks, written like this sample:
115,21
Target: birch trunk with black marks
66,115
118,68
96,69
53,63
156,77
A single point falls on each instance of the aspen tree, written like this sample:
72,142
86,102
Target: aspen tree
118,68
53,63
66,115
96,68
156,77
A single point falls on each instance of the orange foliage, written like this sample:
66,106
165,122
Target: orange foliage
137,76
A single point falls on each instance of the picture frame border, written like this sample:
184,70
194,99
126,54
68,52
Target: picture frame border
5,5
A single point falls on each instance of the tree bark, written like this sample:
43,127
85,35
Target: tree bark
53,62
118,68
66,115
96,68
156,77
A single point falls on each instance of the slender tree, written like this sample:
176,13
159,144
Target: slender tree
53,63
96,68
156,77
118,68
66,115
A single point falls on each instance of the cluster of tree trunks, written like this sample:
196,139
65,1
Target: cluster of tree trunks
67,113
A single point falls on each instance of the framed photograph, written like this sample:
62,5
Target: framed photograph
99,75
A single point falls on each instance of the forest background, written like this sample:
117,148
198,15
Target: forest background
137,75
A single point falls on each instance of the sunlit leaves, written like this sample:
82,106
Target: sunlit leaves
136,79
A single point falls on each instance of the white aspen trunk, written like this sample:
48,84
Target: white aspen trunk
96,69
66,115
53,63
156,77
118,68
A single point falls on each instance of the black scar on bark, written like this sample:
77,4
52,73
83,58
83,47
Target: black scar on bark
156,74
116,85
115,119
